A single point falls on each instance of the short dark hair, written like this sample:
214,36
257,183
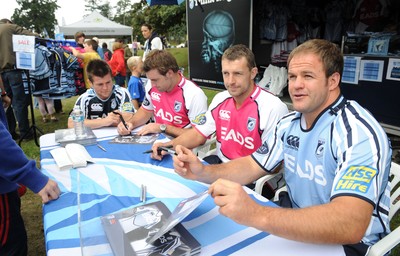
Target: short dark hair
78,35
104,45
147,25
93,43
97,67
329,53
161,60
238,51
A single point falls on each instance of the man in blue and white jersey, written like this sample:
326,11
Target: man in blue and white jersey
104,102
336,158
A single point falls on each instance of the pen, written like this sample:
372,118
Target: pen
101,147
168,150
158,150
122,119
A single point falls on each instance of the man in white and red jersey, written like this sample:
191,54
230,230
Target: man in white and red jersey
170,98
241,116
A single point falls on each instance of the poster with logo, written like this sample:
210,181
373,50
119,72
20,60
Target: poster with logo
213,26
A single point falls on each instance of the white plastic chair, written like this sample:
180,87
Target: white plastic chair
393,239
389,241
208,148
261,181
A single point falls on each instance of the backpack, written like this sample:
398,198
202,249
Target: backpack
154,35
164,41
107,55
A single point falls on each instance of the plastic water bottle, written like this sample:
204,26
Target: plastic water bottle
78,118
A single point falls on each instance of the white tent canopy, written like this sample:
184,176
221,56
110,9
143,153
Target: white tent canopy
96,25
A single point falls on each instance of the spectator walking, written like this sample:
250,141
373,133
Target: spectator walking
135,46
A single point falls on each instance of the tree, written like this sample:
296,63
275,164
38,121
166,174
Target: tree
167,20
91,5
105,9
37,15
123,11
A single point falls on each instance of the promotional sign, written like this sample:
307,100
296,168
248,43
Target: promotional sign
24,47
213,26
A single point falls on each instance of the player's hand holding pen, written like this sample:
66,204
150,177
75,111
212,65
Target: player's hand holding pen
157,153
121,119
124,128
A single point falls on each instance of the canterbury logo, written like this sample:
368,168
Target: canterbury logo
96,107
225,114
155,96
293,141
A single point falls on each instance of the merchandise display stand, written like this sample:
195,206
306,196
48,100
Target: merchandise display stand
33,127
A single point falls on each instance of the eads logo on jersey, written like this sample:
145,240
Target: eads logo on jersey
356,178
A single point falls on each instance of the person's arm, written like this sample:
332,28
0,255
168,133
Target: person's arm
4,97
190,139
170,130
139,118
344,220
76,53
242,170
19,169
135,103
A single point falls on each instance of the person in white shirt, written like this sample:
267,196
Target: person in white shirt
153,41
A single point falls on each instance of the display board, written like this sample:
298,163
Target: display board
213,26
380,97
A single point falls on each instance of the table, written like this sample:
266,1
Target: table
72,224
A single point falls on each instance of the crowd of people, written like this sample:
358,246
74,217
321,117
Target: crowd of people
326,143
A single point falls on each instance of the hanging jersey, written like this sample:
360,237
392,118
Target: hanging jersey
240,132
177,107
344,153
93,107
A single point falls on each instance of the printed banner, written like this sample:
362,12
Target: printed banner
213,26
